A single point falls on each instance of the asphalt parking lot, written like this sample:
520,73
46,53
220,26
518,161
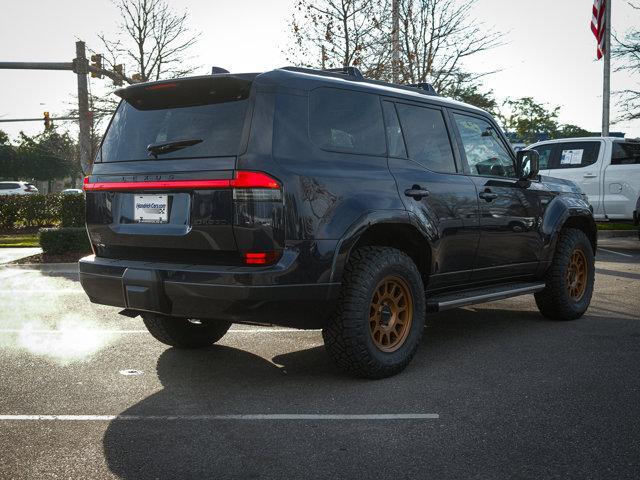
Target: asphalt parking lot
495,391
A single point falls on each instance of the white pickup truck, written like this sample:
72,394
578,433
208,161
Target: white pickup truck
607,169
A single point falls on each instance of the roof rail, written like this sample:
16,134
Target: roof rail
351,71
427,87
356,75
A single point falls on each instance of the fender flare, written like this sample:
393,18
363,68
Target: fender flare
370,218
560,210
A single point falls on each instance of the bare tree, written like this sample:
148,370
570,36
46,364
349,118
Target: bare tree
336,33
627,51
153,41
435,38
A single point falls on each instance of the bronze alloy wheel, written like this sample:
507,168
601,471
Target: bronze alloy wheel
391,313
577,273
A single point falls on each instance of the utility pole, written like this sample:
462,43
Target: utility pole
395,42
84,138
606,80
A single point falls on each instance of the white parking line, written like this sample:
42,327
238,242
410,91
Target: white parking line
253,417
237,330
617,253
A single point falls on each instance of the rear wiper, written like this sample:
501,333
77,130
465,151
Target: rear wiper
161,148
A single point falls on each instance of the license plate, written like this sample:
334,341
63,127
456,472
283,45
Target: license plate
151,208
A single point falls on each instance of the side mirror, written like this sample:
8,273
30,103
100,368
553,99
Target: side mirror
527,164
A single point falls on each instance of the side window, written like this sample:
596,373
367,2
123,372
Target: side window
394,133
577,154
346,121
485,152
545,152
427,138
625,153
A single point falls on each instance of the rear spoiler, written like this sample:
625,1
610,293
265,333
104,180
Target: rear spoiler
189,91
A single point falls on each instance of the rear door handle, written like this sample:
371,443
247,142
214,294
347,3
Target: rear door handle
488,196
589,175
416,192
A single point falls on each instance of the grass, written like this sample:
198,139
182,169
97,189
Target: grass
19,240
616,226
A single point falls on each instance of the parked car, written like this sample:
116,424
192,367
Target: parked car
17,188
606,169
319,199
72,191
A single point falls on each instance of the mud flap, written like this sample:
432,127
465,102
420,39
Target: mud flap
143,290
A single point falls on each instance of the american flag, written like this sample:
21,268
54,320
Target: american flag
598,25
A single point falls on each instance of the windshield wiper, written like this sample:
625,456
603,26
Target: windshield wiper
161,148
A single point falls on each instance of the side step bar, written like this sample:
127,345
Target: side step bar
445,301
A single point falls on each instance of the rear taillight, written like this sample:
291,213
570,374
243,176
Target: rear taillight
261,258
30,188
242,180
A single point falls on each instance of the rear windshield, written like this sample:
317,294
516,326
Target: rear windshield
215,123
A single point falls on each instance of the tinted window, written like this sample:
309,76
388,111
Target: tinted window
394,133
545,152
577,154
486,154
625,153
346,121
427,138
218,125
8,186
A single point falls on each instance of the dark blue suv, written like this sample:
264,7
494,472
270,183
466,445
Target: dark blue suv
320,199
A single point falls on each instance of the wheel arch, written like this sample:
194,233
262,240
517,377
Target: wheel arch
397,230
568,212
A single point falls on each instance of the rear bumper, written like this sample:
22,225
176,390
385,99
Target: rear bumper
236,294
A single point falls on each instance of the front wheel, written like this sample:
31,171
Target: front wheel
569,278
378,324
183,332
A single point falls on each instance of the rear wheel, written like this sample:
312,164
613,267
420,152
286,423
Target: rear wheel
183,332
569,278
378,323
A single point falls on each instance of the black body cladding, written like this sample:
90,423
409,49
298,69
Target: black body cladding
351,170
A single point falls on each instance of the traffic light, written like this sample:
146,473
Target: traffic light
96,62
48,124
119,74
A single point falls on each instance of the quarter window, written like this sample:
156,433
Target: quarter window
426,136
346,121
625,153
486,154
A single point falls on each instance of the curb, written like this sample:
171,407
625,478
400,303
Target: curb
617,233
44,267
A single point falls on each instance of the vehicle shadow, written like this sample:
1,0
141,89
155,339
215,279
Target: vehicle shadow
224,380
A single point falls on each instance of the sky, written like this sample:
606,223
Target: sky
548,51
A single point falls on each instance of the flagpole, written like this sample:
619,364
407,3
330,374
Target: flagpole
606,81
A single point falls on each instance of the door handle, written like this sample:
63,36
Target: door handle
417,192
589,175
488,195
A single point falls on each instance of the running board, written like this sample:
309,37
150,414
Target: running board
445,301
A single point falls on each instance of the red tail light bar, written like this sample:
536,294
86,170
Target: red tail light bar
242,179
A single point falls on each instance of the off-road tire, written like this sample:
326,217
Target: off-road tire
555,302
181,333
347,336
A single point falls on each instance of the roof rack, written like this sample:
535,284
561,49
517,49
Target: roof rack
356,75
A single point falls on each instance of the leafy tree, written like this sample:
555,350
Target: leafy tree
470,93
4,138
569,131
527,118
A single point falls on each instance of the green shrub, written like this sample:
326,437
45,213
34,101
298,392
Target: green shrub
19,211
72,210
60,240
